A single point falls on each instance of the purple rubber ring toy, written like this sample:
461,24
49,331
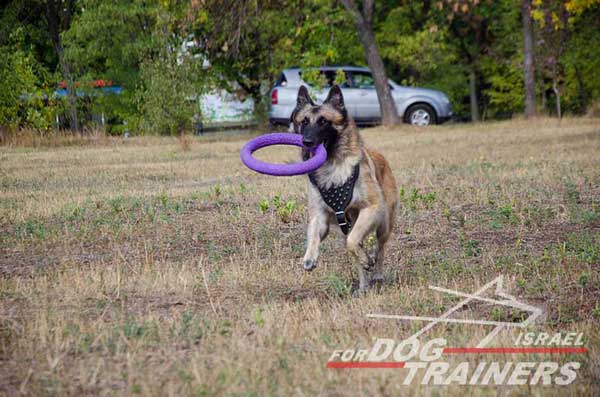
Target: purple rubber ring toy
281,138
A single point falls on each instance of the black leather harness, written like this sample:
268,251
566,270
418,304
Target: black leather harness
338,197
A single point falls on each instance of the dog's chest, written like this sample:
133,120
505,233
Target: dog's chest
338,196
335,174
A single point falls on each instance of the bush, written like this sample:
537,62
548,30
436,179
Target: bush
171,82
22,102
165,100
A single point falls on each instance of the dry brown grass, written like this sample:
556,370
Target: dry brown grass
144,268
29,138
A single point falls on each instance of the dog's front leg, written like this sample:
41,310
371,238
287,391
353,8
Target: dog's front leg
366,221
318,227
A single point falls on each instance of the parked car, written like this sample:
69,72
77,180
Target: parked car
417,106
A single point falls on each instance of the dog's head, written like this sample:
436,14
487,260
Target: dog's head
319,124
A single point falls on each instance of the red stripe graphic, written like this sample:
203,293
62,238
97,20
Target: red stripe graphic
365,364
514,350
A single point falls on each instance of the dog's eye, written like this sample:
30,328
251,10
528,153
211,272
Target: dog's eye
322,121
305,121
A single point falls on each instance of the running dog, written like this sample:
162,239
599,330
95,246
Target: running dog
355,188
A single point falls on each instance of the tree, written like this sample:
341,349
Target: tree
163,53
467,30
469,26
528,72
364,23
417,51
568,46
554,33
23,99
240,40
111,41
582,60
58,15
18,82
171,81
248,43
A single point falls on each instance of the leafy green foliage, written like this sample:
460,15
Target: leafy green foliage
505,90
111,40
143,46
248,43
581,61
22,95
167,98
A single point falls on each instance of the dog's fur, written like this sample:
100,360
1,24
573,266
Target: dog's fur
374,201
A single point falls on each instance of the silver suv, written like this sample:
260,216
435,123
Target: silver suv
417,106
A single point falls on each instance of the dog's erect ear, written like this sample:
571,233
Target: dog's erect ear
303,98
335,97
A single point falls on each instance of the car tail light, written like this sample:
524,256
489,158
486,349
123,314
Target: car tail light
274,97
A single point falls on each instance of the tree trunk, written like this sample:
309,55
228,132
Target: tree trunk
580,90
528,72
58,17
557,93
389,113
542,83
473,95
364,23
71,94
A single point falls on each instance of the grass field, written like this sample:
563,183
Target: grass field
156,266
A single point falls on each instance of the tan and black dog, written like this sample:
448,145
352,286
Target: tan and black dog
355,188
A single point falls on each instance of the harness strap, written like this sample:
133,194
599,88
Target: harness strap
339,197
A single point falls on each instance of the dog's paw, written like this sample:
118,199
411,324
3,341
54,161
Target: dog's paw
377,278
310,264
357,293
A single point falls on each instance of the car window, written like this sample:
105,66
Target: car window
326,78
363,80
281,81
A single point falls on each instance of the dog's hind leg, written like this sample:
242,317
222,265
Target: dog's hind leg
384,231
366,221
318,227
383,235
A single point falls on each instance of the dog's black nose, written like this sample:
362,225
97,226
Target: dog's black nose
308,142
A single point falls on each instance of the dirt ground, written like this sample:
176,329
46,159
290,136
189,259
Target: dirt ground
162,266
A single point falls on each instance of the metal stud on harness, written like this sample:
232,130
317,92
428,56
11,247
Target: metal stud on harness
338,197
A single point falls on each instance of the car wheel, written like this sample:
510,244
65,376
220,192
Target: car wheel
420,114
